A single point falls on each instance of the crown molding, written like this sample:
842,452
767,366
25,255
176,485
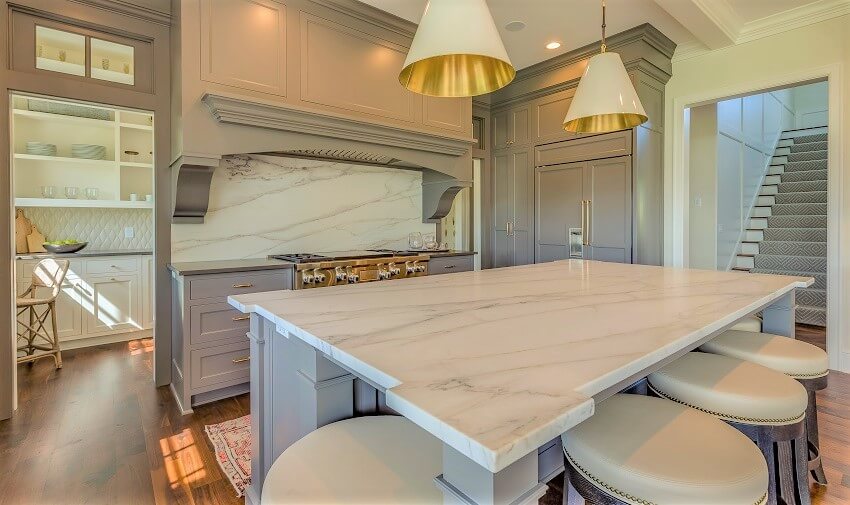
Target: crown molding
371,15
689,49
126,8
798,17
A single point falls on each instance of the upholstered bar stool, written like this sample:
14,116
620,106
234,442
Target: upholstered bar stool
374,459
643,450
35,340
805,362
767,406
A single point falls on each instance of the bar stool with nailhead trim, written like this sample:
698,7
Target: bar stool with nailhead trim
373,459
640,450
765,405
806,363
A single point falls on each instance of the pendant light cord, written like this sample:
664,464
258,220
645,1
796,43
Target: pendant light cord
604,45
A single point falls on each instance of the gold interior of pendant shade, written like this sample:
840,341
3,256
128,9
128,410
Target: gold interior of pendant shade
454,75
604,123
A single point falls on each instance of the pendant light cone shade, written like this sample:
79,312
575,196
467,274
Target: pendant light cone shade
456,51
605,100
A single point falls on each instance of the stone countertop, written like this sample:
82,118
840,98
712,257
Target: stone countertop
85,253
446,254
225,266
461,355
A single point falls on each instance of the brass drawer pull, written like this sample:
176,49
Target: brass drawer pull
242,318
447,267
245,285
241,360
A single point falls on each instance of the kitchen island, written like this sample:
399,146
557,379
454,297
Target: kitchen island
495,363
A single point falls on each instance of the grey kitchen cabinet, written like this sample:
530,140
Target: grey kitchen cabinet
439,265
210,347
584,210
513,181
512,127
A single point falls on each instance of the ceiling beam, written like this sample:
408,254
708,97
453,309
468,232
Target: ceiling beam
712,22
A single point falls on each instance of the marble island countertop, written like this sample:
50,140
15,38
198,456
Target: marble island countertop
497,362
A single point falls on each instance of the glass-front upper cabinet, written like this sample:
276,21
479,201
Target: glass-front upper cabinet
48,45
111,61
60,51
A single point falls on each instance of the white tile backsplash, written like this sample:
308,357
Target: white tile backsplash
101,228
261,205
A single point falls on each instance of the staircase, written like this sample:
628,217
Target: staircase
787,228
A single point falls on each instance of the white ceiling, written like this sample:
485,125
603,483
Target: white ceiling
692,24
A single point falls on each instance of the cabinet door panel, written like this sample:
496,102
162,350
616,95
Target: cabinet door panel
520,126
522,178
113,304
558,196
500,130
608,187
502,210
549,114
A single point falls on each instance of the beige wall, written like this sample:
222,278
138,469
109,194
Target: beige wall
807,53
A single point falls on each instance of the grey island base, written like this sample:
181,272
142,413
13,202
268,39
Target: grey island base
496,364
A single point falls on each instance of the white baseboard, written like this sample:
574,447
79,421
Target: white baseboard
78,343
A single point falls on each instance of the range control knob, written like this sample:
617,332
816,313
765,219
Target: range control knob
318,276
307,278
341,274
417,267
410,267
352,276
383,273
393,270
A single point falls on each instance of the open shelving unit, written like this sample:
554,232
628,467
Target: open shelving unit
116,177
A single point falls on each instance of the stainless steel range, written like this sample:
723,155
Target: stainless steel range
320,270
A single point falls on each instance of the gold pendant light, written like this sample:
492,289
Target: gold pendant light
456,51
605,100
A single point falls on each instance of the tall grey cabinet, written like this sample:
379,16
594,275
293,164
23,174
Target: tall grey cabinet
513,185
604,191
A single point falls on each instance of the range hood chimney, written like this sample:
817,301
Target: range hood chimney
445,162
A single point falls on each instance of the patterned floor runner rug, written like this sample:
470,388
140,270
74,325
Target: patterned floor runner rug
232,443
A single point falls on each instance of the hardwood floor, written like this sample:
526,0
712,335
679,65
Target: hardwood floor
98,432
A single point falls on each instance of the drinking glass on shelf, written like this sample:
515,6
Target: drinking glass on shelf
71,192
48,191
414,240
429,241
92,193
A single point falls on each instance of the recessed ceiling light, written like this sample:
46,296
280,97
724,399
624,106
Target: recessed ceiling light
553,45
514,26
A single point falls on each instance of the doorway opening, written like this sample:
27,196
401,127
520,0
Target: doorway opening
758,191
82,187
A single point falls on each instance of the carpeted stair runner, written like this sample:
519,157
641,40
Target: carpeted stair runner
787,232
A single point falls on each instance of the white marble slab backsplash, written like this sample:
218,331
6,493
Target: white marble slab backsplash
101,228
261,205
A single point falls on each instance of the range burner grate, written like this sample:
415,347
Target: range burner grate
300,257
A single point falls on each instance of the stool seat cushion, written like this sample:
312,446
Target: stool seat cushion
375,459
751,323
800,360
732,389
648,450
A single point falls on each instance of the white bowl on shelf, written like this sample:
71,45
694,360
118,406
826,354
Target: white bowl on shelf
88,151
41,149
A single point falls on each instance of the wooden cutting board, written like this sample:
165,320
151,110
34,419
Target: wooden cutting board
23,227
35,241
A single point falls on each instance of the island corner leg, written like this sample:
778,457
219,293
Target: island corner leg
779,318
464,481
295,390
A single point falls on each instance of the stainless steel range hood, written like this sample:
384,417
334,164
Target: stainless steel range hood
445,162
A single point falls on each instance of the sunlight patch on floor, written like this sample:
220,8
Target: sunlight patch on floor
183,462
